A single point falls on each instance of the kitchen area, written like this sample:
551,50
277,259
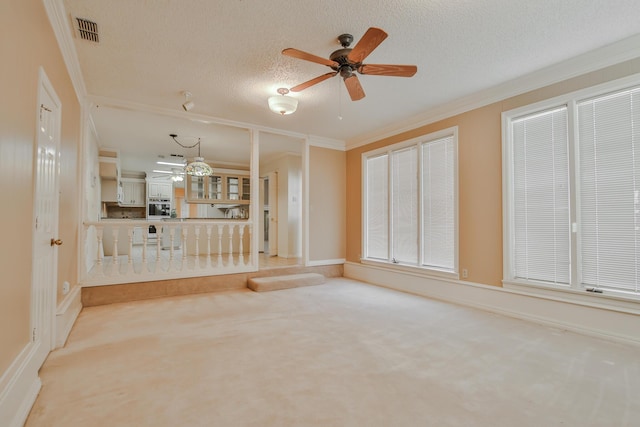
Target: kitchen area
168,205
146,219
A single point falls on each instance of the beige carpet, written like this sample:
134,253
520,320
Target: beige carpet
338,354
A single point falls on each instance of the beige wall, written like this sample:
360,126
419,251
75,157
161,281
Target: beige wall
28,42
327,204
480,179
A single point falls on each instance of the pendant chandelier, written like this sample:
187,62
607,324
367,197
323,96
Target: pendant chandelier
198,167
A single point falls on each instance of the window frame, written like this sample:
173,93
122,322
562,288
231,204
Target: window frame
417,268
575,292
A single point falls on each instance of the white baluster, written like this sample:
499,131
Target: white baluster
231,230
184,242
171,230
130,236
145,239
185,230
220,228
99,233
209,227
114,254
241,251
251,244
98,266
172,234
159,234
196,231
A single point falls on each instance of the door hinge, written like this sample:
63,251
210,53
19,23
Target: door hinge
33,335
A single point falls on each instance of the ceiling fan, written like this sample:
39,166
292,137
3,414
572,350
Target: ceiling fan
175,174
347,61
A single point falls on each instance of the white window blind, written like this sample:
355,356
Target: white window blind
438,199
405,205
609,200
540,202
410,203
377,207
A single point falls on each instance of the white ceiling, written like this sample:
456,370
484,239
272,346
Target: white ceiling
228,54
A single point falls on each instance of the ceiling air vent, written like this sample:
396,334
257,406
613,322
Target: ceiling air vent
88,30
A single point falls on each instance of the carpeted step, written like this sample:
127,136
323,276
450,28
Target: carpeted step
274,283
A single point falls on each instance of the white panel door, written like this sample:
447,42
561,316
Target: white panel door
261,224
273,214
45,236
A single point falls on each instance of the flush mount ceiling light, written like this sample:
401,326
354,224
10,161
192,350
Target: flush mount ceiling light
188,104
198,167
283,104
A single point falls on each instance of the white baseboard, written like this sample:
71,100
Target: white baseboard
66,315
19,387
319,262
595,321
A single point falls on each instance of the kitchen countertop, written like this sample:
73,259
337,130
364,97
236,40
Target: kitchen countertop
174,219
204,219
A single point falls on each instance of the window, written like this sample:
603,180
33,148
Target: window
410,203
572,193
541,197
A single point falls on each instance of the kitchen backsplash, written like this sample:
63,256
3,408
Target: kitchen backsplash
118,212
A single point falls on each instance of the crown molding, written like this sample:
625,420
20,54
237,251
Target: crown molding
333,144
95,100
58,19
612,54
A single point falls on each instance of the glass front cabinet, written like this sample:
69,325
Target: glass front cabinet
238,188
218,188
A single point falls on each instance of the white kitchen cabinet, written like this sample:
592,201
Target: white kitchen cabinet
204,189
109,190
238,188
160,190
226,187
133,192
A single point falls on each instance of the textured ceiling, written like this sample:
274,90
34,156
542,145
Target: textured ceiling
227,53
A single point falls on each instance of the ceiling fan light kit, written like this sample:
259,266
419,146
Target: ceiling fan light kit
176,175
283,104
348,61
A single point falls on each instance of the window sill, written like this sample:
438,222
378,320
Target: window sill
611,302
410,269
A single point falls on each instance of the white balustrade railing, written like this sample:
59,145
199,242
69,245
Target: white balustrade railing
125,251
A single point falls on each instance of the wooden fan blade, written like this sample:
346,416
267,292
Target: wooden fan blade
354,88
388,70
371,39
312,82
295,53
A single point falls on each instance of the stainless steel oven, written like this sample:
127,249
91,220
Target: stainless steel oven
158,209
